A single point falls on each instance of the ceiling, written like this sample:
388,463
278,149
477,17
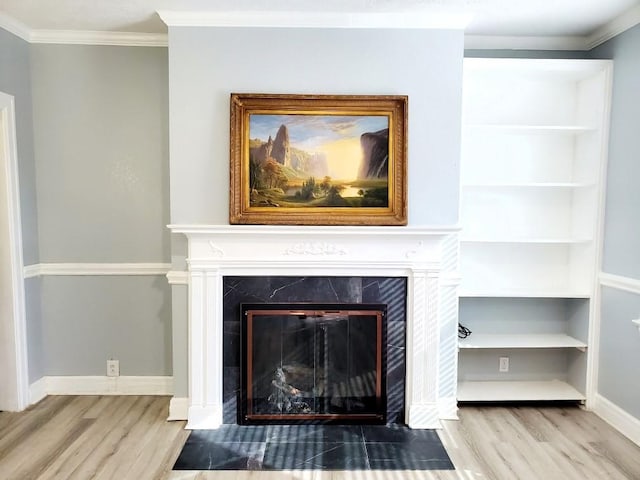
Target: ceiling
539,18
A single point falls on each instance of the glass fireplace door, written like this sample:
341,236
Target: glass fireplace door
303,363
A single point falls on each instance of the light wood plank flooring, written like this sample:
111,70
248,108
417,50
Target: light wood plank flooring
127,437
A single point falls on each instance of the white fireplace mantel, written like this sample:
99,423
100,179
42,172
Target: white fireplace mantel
426,256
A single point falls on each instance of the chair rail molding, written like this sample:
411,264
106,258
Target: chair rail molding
95,269
620,282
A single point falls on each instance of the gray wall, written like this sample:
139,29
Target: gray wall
622,222
207,64
618,380
15,79
619,339
101,143
101,150
88,320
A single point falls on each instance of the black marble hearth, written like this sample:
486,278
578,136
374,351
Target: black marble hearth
390,291
313,447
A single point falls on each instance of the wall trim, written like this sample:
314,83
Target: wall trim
12,25
178,409
90,269
177,277
620,282
80,37
37,390
618,418
499,42
618,25
16,322
100,385
316,19
623,22
448,408
627,20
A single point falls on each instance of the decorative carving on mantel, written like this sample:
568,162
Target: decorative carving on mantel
217,252
315,248
416,251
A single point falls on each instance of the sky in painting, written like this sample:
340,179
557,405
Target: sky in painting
337,136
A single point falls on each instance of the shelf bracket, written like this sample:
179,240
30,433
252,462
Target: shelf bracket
636,323
582,349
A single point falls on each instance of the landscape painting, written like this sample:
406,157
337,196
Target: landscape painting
317,160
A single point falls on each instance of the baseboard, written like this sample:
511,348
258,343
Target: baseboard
448,408
99,385
423,415
37,390
618,418
178,408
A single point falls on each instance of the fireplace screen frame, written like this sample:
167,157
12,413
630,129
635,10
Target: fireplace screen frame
246,413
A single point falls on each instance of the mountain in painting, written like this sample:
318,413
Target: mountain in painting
280,150
375,155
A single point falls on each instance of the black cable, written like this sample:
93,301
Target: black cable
463,332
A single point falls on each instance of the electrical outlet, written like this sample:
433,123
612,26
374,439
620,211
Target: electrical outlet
113,368
504,364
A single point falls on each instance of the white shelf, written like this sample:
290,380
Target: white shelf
531,129
528,293
548,240
505,185
492,341
511,390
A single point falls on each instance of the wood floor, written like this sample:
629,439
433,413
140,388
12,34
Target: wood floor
127,437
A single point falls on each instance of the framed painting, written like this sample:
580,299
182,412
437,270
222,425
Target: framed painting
318,159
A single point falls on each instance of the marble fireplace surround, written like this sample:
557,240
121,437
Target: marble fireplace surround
427,257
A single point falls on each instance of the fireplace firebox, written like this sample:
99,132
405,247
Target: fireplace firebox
312,363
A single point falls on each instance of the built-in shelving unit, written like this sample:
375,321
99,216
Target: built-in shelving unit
532,177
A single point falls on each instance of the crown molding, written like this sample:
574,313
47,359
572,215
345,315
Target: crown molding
121,39
12,25
500,42
80,37
618,25
627,20
267,19
389,20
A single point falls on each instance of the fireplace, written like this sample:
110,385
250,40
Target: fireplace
306,363
426,258
387,294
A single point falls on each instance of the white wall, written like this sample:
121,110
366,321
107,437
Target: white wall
207,64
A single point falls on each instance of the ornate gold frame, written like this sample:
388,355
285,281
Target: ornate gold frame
394,107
